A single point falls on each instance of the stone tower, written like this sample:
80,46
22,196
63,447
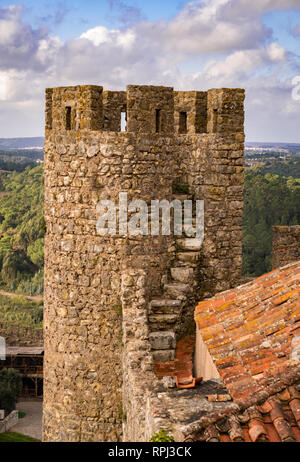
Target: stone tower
114,304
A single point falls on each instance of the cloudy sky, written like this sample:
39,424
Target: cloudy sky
186,44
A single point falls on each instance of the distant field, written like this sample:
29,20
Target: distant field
21,143
21,311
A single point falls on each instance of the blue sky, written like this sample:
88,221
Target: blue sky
78,15
189,45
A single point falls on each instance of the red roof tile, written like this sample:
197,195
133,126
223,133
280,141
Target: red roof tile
253,331
253,336
273,421
182,367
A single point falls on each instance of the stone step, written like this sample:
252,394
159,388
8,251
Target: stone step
188,257
162,302
162,356
166,310
189,244
162,327
163,319
162,340
177,290
165,306
182,274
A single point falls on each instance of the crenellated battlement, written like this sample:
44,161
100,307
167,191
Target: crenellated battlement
145,109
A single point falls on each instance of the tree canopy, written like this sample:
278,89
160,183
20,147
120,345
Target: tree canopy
10,389
269,200
22,230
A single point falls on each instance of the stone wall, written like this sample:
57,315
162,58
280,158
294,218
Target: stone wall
10,421
99,383
192,106
150,109
213,168
15,334
285,245
139,379
83,326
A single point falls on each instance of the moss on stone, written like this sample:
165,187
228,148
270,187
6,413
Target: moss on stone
161,437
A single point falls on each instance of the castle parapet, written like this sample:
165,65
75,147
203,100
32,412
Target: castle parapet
145,109
150,109
190,112
74,108
114,110
225,110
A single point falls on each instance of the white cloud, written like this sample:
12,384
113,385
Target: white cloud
3,86
19,42
228,37
101,35
235,65
203,29
276,52
97,35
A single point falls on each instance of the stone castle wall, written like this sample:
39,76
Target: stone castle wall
285,245
98,363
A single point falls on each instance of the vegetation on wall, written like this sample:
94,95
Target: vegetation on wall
161,437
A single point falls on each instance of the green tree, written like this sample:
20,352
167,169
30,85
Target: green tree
10,388
268,200
22,230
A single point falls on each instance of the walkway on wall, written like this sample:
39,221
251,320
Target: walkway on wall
166,313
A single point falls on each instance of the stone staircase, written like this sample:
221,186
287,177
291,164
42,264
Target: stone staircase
166,313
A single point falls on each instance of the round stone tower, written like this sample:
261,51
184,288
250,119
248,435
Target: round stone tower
171,138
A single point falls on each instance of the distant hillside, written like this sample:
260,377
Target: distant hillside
21,143
22,231
292,149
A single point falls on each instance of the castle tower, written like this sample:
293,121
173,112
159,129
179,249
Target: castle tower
105,295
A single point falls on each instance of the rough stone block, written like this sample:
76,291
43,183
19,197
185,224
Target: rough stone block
164,340
189,244
162,356
182,274
175,290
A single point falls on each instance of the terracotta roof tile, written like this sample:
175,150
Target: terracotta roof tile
273,421
253,331
182,367
253,336
257,430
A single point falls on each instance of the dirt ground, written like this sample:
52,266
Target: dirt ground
35,298
31,424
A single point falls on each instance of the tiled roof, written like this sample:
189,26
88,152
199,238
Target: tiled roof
276,420
253,332
253,336
182,367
